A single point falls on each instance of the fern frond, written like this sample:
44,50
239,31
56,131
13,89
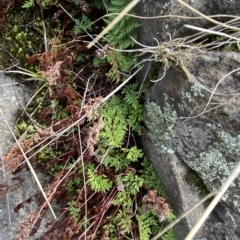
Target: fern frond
28,4
120,36
117,162
82,25
151,179
146,221
114,123
170,235
133,154
98,183
123,200
123,221
132,183
119,61
171,216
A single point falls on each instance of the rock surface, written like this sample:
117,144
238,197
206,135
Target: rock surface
209,144
182,132
21,186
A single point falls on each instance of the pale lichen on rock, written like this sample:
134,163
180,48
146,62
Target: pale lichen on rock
160,125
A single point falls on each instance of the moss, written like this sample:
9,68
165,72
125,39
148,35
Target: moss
21,38
195,181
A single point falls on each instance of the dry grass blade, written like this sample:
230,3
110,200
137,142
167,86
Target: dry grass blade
211,32
208,18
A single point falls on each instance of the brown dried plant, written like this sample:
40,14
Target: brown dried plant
158,204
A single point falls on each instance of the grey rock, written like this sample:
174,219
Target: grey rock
161,27
209,142
13,97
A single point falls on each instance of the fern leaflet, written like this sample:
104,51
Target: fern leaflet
82,25
28,4
98,183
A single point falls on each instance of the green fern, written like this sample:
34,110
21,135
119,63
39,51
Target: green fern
28,4
170,235
120,62
115,6
151,179
97,62
123,159
146,221
123,199
171,216
135,108
132,183
120,37
82,25
74,210
115,161
123,221
118,115
121,224
115,126
133,154
98,183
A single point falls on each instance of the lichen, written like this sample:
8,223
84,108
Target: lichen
212,168
229,145
160,125
187,95
196,88
215,165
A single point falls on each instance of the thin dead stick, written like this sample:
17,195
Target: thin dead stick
65,11
214,202
183,215
206,17
165,16
128,8
84,181
44,32
121,85
30,166
211,32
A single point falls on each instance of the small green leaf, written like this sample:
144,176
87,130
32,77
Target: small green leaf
28,4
